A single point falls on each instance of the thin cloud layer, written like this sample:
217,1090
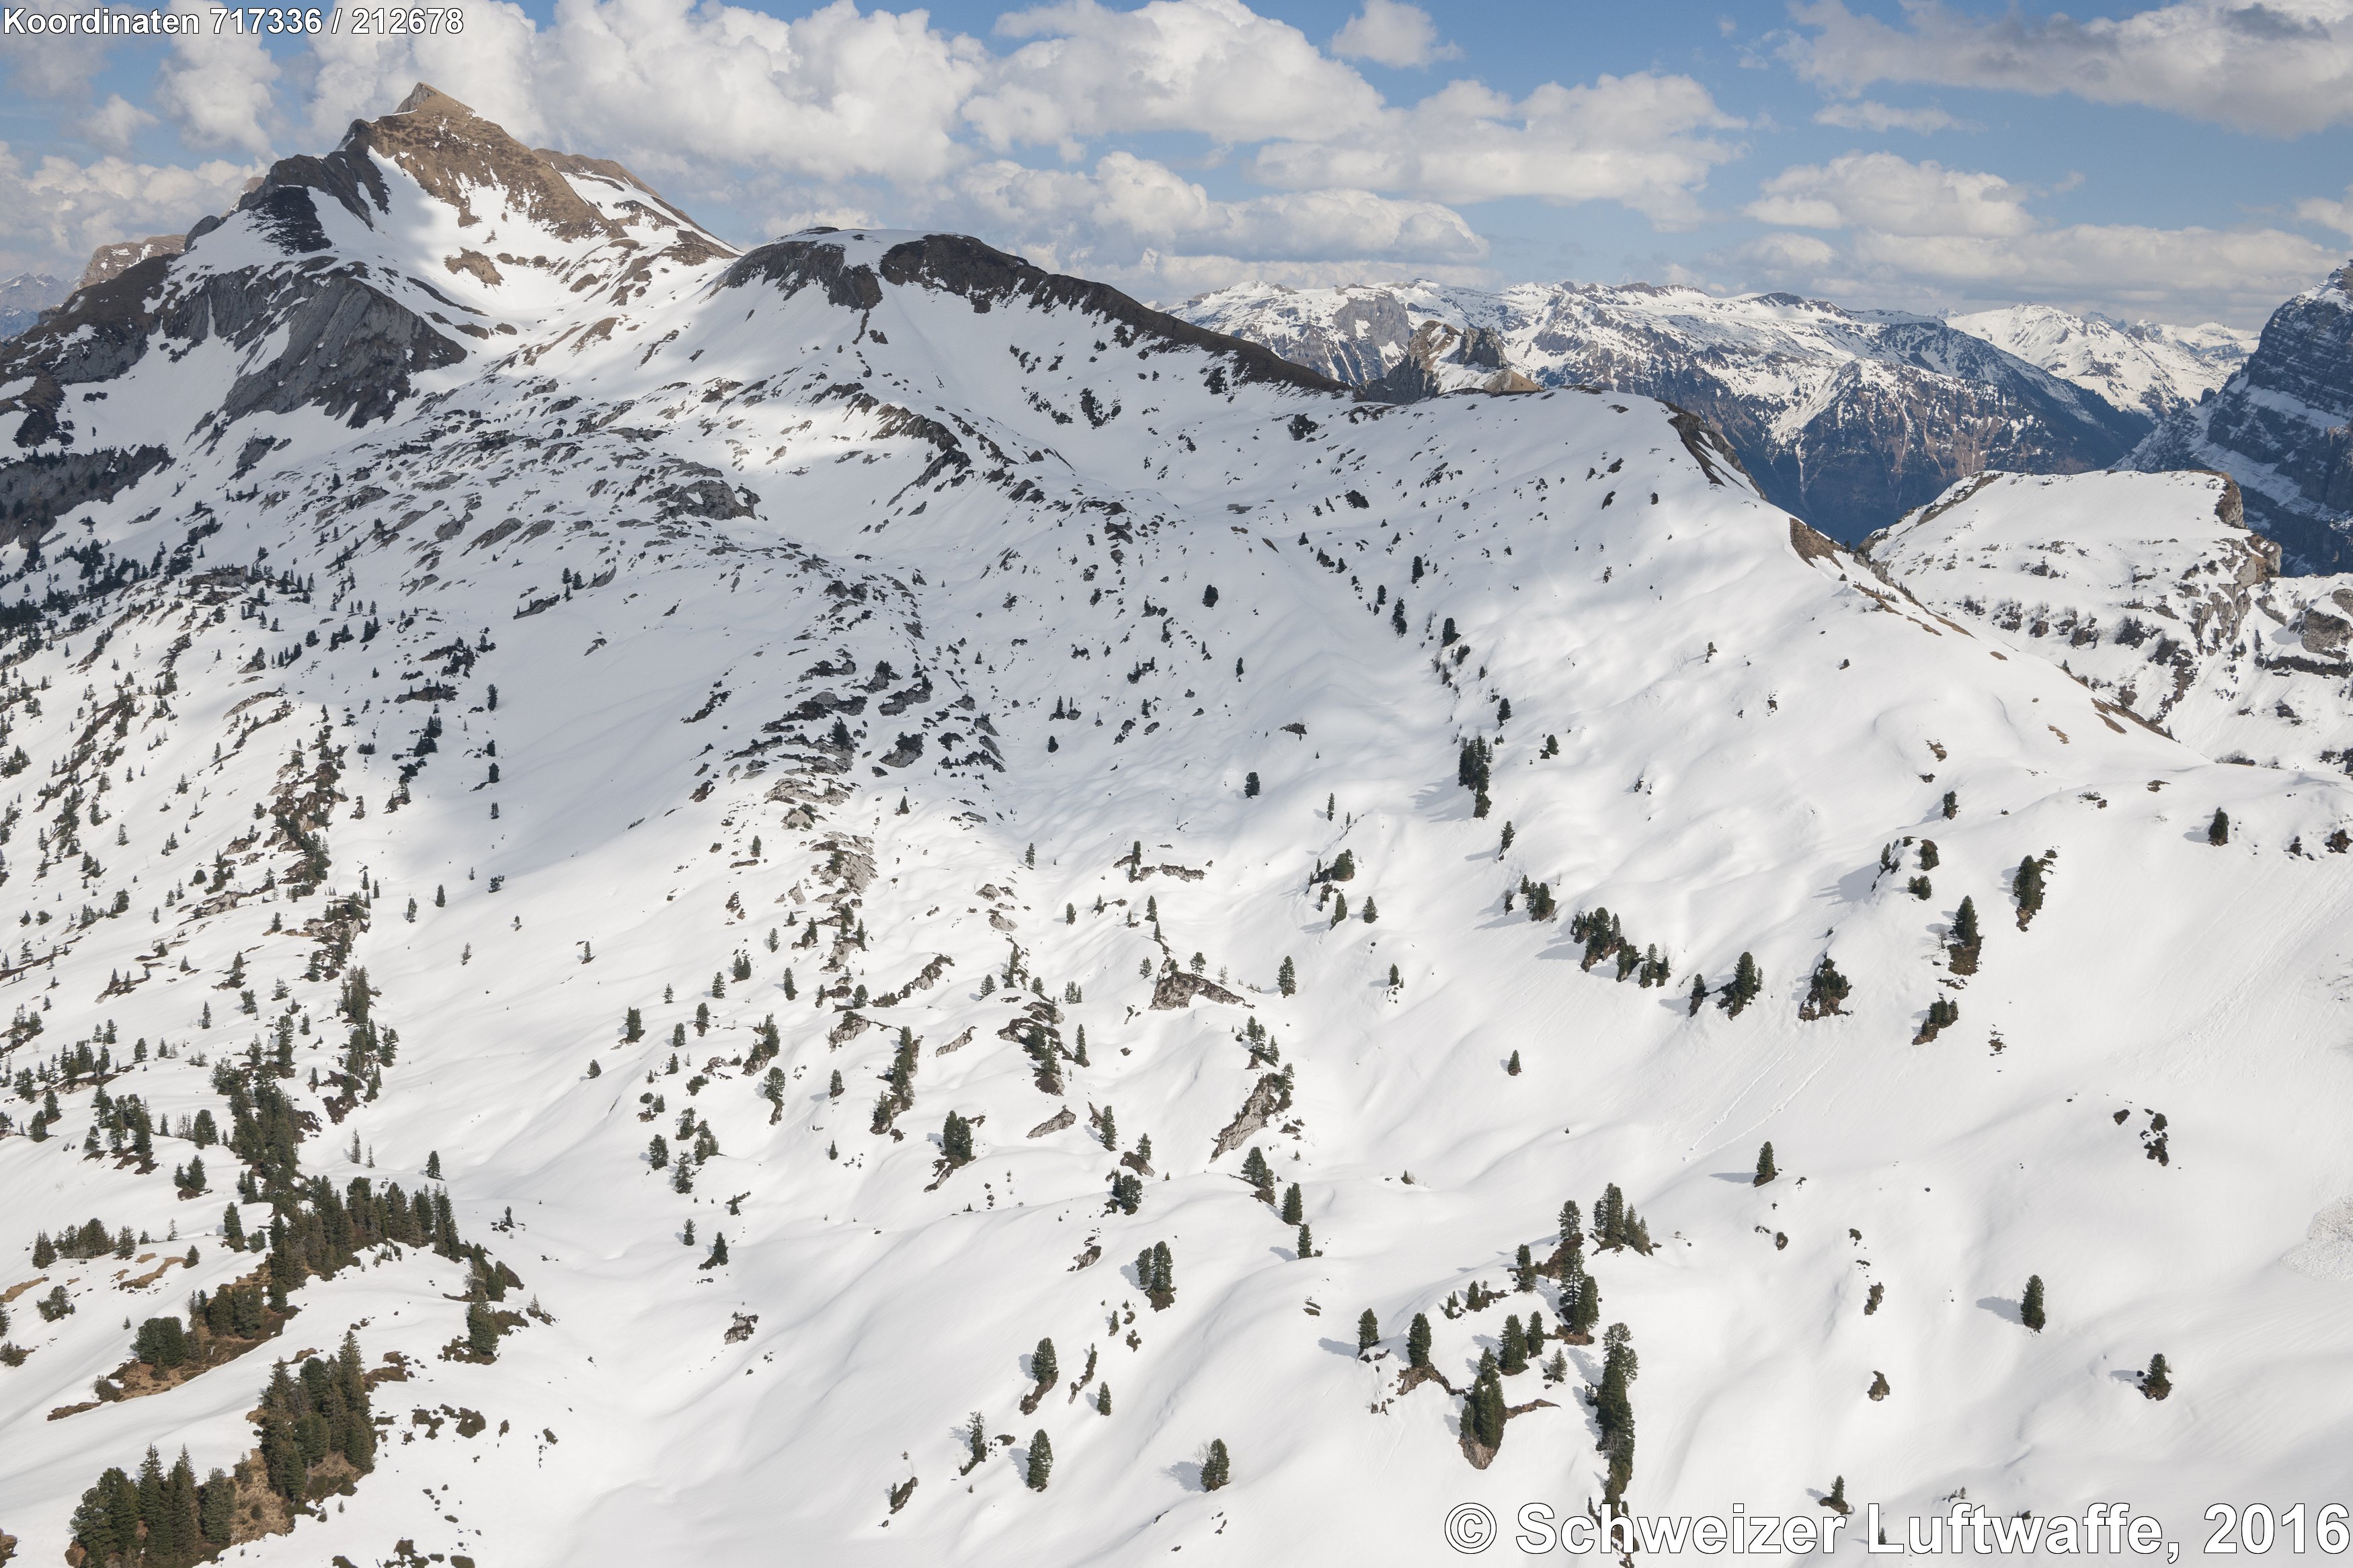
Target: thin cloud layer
2281,69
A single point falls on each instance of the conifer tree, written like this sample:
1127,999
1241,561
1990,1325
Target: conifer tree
1417,1342
1837,1501
1369,1331
433,1164
1743,986
481,1331
955,1140
1764,1168
1102,1399
1256,1173
2158,1381
1217,1469
1041,1461
1515,1357
2026,886
1286,979
1294,1208
1482,1412
1613,1409
718,1250
1698,994
1826,992
2030,1306
2218,832
1043,1368
1250,786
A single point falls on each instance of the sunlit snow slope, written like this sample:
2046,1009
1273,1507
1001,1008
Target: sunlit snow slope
2151,590
938,658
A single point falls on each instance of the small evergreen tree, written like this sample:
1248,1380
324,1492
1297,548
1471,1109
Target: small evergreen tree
1765,1170
481,1330
1102,1399
2030,1306
1217,1469
1515,1357
1482,1412
955,1140
1294,1208
1250,786
1743,986
1417,1342
1826,991
433,1164
1698,994
718,1250
976,1440
1952,804
1286,979
2026,886
2158,1381
1513,1066
1369,1331
1041,1461
1837,1501
1306,1242
2218,832
1043,1368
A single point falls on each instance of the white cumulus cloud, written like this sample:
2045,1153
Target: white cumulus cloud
1642,140
1890,194
1929,236
215,86
1212,66
1392,33
57,211
2281,69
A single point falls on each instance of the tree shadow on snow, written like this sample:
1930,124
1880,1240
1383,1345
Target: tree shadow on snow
1185,1473
2002,1307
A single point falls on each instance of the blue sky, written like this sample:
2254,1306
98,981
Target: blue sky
2185,162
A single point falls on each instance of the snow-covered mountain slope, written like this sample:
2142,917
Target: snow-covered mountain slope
2148,367
23,299
1095,673
2278,427
2151,590
1847,418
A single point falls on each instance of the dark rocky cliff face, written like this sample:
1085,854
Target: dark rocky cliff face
2279,427
1846,420
1885,436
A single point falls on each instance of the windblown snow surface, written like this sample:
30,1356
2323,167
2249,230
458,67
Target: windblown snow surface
896,482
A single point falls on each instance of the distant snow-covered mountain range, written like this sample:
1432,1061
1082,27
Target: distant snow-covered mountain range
1848,418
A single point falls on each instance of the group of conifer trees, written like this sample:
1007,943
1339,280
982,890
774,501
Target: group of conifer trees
167,1518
